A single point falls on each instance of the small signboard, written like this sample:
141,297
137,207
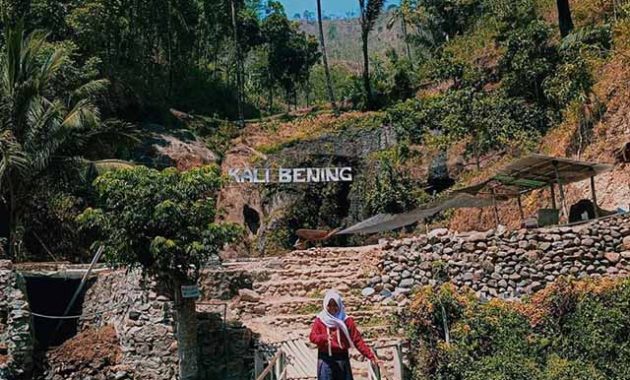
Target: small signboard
290,175
190,291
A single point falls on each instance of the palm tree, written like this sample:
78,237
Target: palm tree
369,14
37,131
401,13
329,88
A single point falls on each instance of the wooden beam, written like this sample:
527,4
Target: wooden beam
594,197
77,292
269,367
520,207
553,195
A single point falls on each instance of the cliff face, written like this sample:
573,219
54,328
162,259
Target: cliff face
271,212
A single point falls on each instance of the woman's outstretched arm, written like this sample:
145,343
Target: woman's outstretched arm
358,341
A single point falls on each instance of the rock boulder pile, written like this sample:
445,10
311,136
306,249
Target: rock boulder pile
16,334
501,263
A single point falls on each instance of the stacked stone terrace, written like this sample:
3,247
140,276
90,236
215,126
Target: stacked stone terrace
286,294
279,297
506,264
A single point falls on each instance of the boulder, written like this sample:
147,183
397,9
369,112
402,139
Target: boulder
438,232
406,283
475,237
613,257
366,292
249,295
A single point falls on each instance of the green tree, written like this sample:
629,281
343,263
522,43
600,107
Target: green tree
369,14
401,14
291,53
163,223
42,128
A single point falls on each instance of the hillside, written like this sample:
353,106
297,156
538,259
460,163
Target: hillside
479,52
343,36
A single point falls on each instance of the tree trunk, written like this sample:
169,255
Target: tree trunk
366,71
239,64
11,216
186,324
564,17
329,88
366,63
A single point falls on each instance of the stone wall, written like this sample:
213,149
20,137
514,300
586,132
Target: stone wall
16,329
504,264
223,283
143,319
226,351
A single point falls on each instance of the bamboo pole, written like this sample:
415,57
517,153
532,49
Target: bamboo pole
77,292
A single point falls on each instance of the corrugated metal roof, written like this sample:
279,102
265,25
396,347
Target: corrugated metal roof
386,222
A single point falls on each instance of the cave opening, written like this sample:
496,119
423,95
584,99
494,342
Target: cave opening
51,296
252,219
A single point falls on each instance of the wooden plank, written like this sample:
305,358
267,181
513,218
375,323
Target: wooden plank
300,365
310,358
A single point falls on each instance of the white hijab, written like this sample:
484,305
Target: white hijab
337,320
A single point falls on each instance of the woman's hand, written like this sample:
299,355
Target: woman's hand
376,361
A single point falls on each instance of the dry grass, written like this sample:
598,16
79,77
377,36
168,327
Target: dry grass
269,136
95,348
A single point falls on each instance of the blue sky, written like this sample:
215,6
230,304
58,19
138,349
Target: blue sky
329,7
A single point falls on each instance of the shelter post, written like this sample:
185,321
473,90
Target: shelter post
496,209
520,207
553,196
595,208
562,199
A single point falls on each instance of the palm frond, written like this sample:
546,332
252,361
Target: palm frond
103,166
50,67
31,47
90,89
44,135
83,114
12,157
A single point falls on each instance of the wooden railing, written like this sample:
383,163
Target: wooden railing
277,367
275,370
380,373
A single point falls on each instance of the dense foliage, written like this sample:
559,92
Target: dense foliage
163,221
49,124
571,330
491,76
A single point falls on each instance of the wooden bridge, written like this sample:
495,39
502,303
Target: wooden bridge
294,360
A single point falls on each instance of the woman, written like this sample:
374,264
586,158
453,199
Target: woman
334,333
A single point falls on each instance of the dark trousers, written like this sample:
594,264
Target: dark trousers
335,367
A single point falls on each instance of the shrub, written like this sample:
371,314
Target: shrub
570,330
